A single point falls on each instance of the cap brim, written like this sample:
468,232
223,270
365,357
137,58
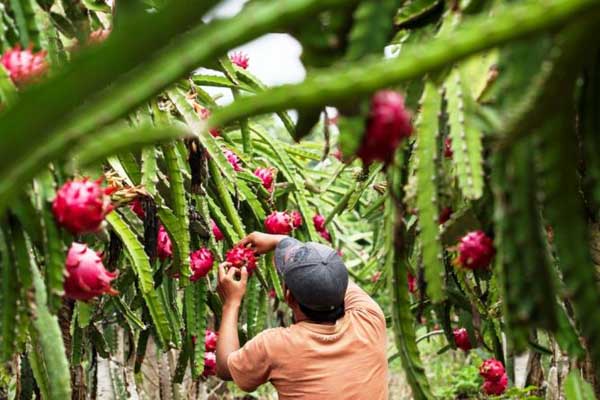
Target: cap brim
283,251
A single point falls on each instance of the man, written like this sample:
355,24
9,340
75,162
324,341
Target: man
336,348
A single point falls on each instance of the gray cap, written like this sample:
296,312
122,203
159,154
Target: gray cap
314,273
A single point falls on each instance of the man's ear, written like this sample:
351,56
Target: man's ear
289,297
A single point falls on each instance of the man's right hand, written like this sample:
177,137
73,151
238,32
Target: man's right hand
262,242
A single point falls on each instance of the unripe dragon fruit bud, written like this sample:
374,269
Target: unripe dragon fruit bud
86,276
445,215
240,59
233,160
164,248
210,364
325,235
319,222
266,176
388,123
448,147
461,339
205,114
210,340
296,219
216,231
491,370
279,222
475,250
81,205
240,256
201,262
136,207
23,66
496,388
412,282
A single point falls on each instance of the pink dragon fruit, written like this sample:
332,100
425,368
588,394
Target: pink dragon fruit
240,256
475,250
205,114
164,248
319,222
445,215
86,276
448,153
216,231
201,262
491,370
388,123
240,59
496,388
24,66
210,364
266,176
210,340
233,160
279,222
81,205
412,282
296,219
272,294
461,339
136,207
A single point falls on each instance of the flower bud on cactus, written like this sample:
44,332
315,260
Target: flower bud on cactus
496,388
319,222
216,231
81,205
240,256
412,282
296,219
201,262
266,176
461,339
233,160
210,340
164,248
388,123
205,114
491,370
240,59
23,66
448,147
445,215
136,207
210,364
475,250
279,222
325,235
86,276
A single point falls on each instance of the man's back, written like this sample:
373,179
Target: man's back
319,361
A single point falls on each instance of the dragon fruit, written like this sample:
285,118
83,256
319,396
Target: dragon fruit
461,339
201,262
445,215
375,277
210,340
216,231
24,66
240,256
412,282
496,388
475,250
319,222
266,176
272,294
81,205
448,153
279,222
296,219
210,364
491,370
233,160
240,59
86,276
388,123
205,114
164,248
325,235
136,207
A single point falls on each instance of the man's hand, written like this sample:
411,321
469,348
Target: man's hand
231,290
262,242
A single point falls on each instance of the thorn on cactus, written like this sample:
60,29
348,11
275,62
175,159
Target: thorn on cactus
475,250
24,66
240,59
86,276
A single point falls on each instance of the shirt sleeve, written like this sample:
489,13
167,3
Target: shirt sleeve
250,366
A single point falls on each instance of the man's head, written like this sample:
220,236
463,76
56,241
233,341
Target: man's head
316,277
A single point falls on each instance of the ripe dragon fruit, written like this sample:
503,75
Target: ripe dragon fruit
319,222
24,66
279,222
412,282
496,388
296,219
216,231
491,370
461,339
240,256
136,207
240,59
266,176
233,160
210,364
86,276
205,114
445,215
210,340
81,205
201,262
448,153
475,250
388,123
164,248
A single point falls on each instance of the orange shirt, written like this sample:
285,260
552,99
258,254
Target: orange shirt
314,361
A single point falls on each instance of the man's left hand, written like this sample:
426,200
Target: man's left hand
231,290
